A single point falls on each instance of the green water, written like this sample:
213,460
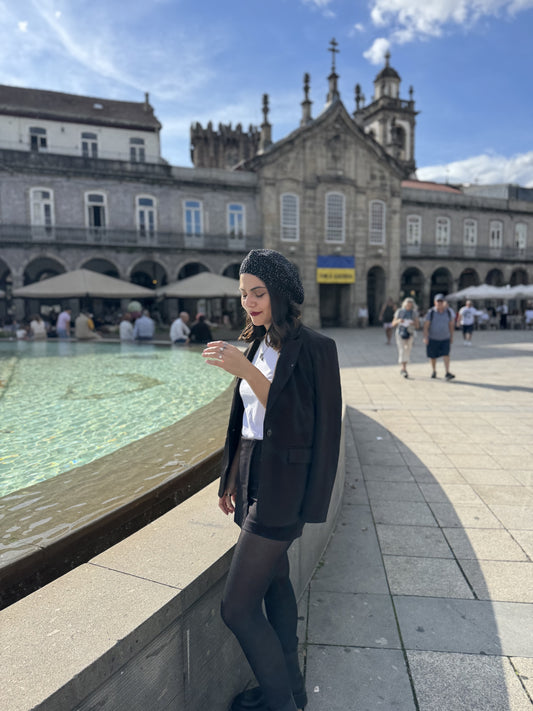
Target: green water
66,404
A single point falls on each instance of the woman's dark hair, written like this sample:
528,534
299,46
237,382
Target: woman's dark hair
285,319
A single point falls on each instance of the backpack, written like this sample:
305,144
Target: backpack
448,309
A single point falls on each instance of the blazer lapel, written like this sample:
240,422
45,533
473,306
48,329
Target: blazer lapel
284,367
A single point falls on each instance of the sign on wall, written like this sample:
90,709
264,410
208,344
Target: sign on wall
335,269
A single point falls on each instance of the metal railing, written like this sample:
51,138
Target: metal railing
89,236
460,251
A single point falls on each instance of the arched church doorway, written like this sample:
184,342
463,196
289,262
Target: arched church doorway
375,294
334,304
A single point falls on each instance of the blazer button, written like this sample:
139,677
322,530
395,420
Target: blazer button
269,433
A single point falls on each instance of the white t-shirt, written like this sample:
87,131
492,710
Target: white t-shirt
179,331
126,331
253,418
467,315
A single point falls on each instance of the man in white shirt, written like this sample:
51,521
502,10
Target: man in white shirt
126,328
63,323
179,331
467,319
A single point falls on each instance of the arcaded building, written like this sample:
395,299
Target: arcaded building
83,184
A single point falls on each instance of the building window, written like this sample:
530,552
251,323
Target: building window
290,218
334,217
193,218
89,145
414,230
137,152
96,217
377,222
146,215
520,235
470,233
442,231
38,139
235,220
42,210
496,234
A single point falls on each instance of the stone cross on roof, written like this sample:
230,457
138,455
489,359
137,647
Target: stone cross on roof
333,49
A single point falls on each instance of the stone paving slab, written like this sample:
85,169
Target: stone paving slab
462,682
469,626
436,577
354,679
421,541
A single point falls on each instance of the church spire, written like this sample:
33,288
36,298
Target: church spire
266,129
333,93
306,103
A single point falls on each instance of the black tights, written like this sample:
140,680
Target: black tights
260,570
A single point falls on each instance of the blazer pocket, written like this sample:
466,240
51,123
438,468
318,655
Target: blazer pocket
300,455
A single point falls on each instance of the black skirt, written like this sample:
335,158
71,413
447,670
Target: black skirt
246,498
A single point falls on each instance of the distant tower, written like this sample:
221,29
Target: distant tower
391,120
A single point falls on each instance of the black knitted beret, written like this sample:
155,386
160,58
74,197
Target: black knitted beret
276,271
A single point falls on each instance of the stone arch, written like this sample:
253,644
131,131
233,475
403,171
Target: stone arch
191,269
519,276
102,266
495,277
232,270
375,293
148,273
41,268
441,283
412,284
468,277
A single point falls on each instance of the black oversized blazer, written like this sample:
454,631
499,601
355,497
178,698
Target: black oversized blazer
301,433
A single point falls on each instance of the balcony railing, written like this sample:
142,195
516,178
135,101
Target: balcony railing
88,236
460,251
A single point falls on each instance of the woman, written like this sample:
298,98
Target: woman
406,322
385,316
278,470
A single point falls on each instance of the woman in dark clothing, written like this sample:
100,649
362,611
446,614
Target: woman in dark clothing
200,331
278,471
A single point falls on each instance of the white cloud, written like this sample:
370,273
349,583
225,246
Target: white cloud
407,20
23,26
321,5
359,27
378,50
486,168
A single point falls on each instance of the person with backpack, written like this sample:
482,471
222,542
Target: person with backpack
406,322
439,326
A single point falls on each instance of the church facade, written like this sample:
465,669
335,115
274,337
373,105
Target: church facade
338,196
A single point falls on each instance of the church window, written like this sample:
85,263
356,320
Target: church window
41,210
496,234
377,222
335,217
193,218
290,218
235,220
146,215
89,145
442,231
414,229
38,139
470,233
95,212
520,235
137,151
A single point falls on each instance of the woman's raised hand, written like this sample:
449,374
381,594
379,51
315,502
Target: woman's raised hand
227,357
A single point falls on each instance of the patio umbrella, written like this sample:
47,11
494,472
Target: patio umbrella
82,283
520,291
205,285
482,291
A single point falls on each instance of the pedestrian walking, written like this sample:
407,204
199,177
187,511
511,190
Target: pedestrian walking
439,327
406,322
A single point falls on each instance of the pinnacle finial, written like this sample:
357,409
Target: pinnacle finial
333,49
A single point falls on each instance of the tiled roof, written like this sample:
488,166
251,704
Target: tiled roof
426,185
56,106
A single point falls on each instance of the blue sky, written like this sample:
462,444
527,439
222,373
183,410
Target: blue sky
469,63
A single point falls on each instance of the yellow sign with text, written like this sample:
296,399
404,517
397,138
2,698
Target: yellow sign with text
332,275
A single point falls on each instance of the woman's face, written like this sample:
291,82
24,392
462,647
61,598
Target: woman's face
255,300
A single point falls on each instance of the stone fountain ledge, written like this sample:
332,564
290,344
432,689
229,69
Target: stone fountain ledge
49,528
138,626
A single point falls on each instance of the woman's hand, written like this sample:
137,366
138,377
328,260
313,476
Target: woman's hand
229,358
226,503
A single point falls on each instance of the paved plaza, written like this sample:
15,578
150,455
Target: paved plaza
424,598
